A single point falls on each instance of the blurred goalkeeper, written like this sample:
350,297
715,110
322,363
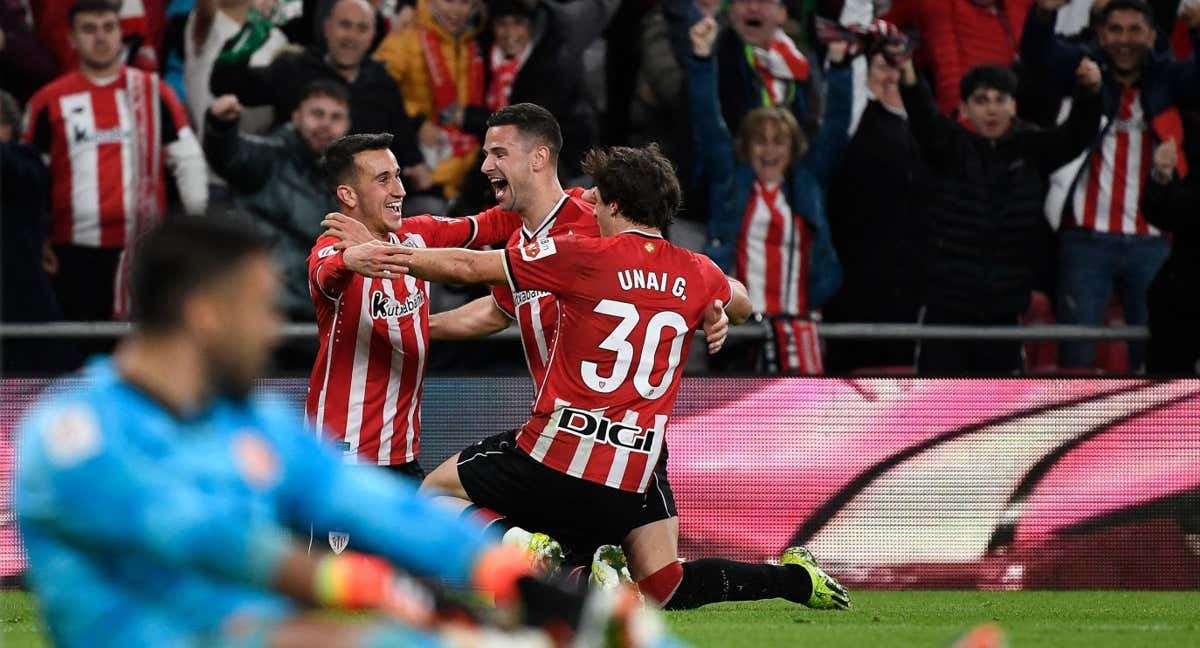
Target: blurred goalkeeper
161,504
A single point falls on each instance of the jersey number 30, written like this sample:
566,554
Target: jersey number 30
618,342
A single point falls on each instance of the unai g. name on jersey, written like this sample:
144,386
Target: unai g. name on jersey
628,305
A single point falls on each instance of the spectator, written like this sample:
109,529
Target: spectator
25,65
1105,238
376,103
533,51
437,63
26,294
142,24
958,35
767,214
277,181
878,233
759,65
111,132
1170,203
210,28
986,222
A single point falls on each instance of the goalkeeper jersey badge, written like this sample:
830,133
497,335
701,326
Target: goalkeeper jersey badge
338,541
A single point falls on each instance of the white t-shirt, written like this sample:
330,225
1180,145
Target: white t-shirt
198,64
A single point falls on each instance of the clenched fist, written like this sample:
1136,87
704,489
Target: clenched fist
226,108
704,34
1088,76
1166,156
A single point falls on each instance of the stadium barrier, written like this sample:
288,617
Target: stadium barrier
745,332
894,483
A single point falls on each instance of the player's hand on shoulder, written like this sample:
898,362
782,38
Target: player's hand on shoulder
377,259
348,231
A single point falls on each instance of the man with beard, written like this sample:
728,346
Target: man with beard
1105,240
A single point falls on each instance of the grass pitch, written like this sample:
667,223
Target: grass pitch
926,619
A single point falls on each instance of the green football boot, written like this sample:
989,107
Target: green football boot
827,593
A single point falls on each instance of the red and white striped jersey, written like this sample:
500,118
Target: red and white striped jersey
773,253
365,387
628,305
536,311
1108,193
106,146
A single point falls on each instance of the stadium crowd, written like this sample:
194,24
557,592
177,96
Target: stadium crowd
972,162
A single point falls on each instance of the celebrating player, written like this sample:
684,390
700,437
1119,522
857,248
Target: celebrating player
521,149
365,387
160,504
584,467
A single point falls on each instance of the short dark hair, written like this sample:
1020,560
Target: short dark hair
992,77
182,256
641,181
1139,6
92,6
531,119
337,165
325,88
499,8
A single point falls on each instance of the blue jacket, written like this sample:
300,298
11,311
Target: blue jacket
1166,85
731,180
149,529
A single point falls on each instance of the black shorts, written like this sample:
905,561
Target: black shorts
579,514
411,469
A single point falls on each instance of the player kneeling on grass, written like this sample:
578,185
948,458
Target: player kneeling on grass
162,505
589,466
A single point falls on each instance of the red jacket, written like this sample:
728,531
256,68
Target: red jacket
957,35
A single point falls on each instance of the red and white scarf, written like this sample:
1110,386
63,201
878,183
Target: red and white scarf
445,88
504,73
142,95
780,66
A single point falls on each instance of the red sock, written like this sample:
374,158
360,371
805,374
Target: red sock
487,518
661,585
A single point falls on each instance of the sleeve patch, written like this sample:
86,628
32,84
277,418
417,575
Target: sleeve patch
72,437
326,252
538,249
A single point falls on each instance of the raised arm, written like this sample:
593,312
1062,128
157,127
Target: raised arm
709,130
1169,202
933,131
474,319
1064,143
245,161
825,156
1050,60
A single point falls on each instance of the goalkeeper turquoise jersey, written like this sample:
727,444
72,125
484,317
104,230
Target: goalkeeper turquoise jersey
146,527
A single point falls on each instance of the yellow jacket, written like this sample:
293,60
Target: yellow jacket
401,54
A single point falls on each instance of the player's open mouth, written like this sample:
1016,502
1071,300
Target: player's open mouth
754,23
500,187
395,206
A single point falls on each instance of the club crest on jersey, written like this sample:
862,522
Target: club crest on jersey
338,541
590,424
385,307
538,249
